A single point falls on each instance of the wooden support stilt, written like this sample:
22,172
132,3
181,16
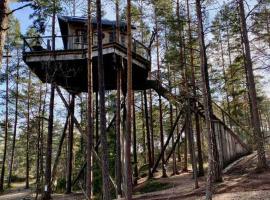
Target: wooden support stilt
58,154
150,160
70,145
78,126
167,142
176,142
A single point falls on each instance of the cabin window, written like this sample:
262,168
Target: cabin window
123,40
81,37
112,37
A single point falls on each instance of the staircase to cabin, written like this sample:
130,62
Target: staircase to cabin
230,134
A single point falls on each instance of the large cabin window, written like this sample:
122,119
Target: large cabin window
111,37
80,36
123,40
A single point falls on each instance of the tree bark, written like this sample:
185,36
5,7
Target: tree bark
150,160
258,135
143,130
102,110
118,169
28,131
128,169
48,186
90,128
70,146
160,106
3,26
197,120
15,122
6,124
135,159
38,144
48,171
213,169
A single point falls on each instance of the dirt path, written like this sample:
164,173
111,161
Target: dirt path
240,182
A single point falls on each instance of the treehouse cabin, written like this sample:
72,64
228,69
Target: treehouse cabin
67,65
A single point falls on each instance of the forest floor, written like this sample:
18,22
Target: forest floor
240,182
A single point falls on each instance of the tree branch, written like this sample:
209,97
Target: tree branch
19,8
256,6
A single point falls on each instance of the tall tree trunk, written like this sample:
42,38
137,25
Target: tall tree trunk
160,104
48,171
102,110
135,159
38,144
213,162
197,120
6,124
118,169
151,127
150,160
258,135
143,130
97,121
90,129
70,146
15,122
128,169
42,138
3,26
28,131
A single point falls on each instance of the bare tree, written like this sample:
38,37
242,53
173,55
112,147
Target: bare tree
128,169
102,110
6,123
3,25
90,129
258,135
213,162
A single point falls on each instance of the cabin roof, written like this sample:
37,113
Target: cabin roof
65,20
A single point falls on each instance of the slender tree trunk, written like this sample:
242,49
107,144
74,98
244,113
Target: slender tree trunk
151,128
6,124
90,129
160,105
28,131
213,162
102,110
143,130
135,160
48,188
15,123
118,169
197,120
42,138
3,26
97,121
38,144
58,154
48,171
192,146
128,169
258,135
150,160
70,146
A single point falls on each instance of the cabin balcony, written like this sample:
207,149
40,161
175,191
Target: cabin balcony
67,65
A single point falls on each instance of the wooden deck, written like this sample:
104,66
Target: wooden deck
68,68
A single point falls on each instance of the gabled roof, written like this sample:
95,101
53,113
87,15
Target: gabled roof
65,20
83,20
